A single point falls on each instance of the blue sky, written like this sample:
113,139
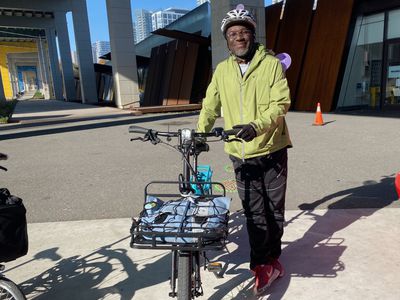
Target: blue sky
98,17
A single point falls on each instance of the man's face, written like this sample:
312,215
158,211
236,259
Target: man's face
239,39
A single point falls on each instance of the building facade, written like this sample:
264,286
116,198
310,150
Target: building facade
372,66
143,24
345,54
100,48
162,18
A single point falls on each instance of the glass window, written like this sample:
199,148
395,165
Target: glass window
362,81
392,93
394,24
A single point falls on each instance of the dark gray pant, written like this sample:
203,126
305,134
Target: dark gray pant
261,184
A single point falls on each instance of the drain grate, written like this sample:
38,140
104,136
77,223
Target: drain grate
230,186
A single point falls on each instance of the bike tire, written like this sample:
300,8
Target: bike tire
10,291
185,273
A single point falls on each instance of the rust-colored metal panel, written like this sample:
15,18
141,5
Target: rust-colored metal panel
176,75
150,78
202,75
272,20
152,94
188,73
169,64
162,53
324,53
293,35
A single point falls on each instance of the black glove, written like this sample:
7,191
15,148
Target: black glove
247,132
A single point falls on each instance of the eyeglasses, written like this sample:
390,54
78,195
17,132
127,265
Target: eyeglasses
234,34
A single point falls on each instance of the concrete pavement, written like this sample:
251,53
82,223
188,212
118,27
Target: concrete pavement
75,162
328,254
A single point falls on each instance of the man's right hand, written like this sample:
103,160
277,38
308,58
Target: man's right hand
247,132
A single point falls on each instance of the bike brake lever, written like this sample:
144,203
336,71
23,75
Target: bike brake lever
150,135
137,139
155,140
4,169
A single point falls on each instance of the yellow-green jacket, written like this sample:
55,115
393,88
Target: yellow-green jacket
261,96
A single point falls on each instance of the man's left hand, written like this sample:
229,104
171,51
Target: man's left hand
247,132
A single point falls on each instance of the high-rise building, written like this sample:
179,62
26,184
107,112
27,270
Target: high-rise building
74,56
200,2
162,18
276,1
134,33
143,24
100,48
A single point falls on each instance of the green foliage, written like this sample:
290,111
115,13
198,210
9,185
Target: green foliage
38,95
6,110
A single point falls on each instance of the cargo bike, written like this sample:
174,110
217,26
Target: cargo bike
190,221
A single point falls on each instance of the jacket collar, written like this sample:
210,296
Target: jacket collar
259,55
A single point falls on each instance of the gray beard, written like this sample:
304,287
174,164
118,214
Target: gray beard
248,55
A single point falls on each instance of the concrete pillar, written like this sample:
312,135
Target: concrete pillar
2,95
44,68
13,75
84,51
54,64
40,68
218,12
65,53
123,53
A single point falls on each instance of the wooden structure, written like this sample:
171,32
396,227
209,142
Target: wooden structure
316,42
272,17
179,71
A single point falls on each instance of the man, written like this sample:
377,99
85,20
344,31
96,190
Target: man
252,89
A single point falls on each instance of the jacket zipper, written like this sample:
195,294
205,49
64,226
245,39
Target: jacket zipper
241,111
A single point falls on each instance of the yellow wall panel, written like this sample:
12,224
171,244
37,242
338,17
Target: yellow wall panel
12,47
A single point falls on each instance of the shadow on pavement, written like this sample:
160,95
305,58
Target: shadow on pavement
61,119
28,106
317,253
40,132
88,277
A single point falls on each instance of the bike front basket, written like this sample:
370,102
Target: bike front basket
187,223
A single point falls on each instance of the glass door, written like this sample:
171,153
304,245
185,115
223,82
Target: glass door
361,87
392,74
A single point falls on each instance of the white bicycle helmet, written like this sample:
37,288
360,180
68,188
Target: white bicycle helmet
239,15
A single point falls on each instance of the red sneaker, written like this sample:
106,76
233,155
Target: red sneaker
277,265
264,275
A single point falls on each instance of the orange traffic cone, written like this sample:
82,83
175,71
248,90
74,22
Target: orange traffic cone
397,184
318,116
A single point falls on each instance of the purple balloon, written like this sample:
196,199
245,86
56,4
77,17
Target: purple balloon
285,59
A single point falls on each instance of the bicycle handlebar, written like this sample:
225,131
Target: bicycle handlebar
151,133
137,129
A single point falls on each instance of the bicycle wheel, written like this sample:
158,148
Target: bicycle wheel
10,291
185,271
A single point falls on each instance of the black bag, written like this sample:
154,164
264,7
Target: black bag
13,228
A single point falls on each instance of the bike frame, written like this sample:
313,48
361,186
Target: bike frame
190,149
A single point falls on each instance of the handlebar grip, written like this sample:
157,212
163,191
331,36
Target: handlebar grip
138,129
